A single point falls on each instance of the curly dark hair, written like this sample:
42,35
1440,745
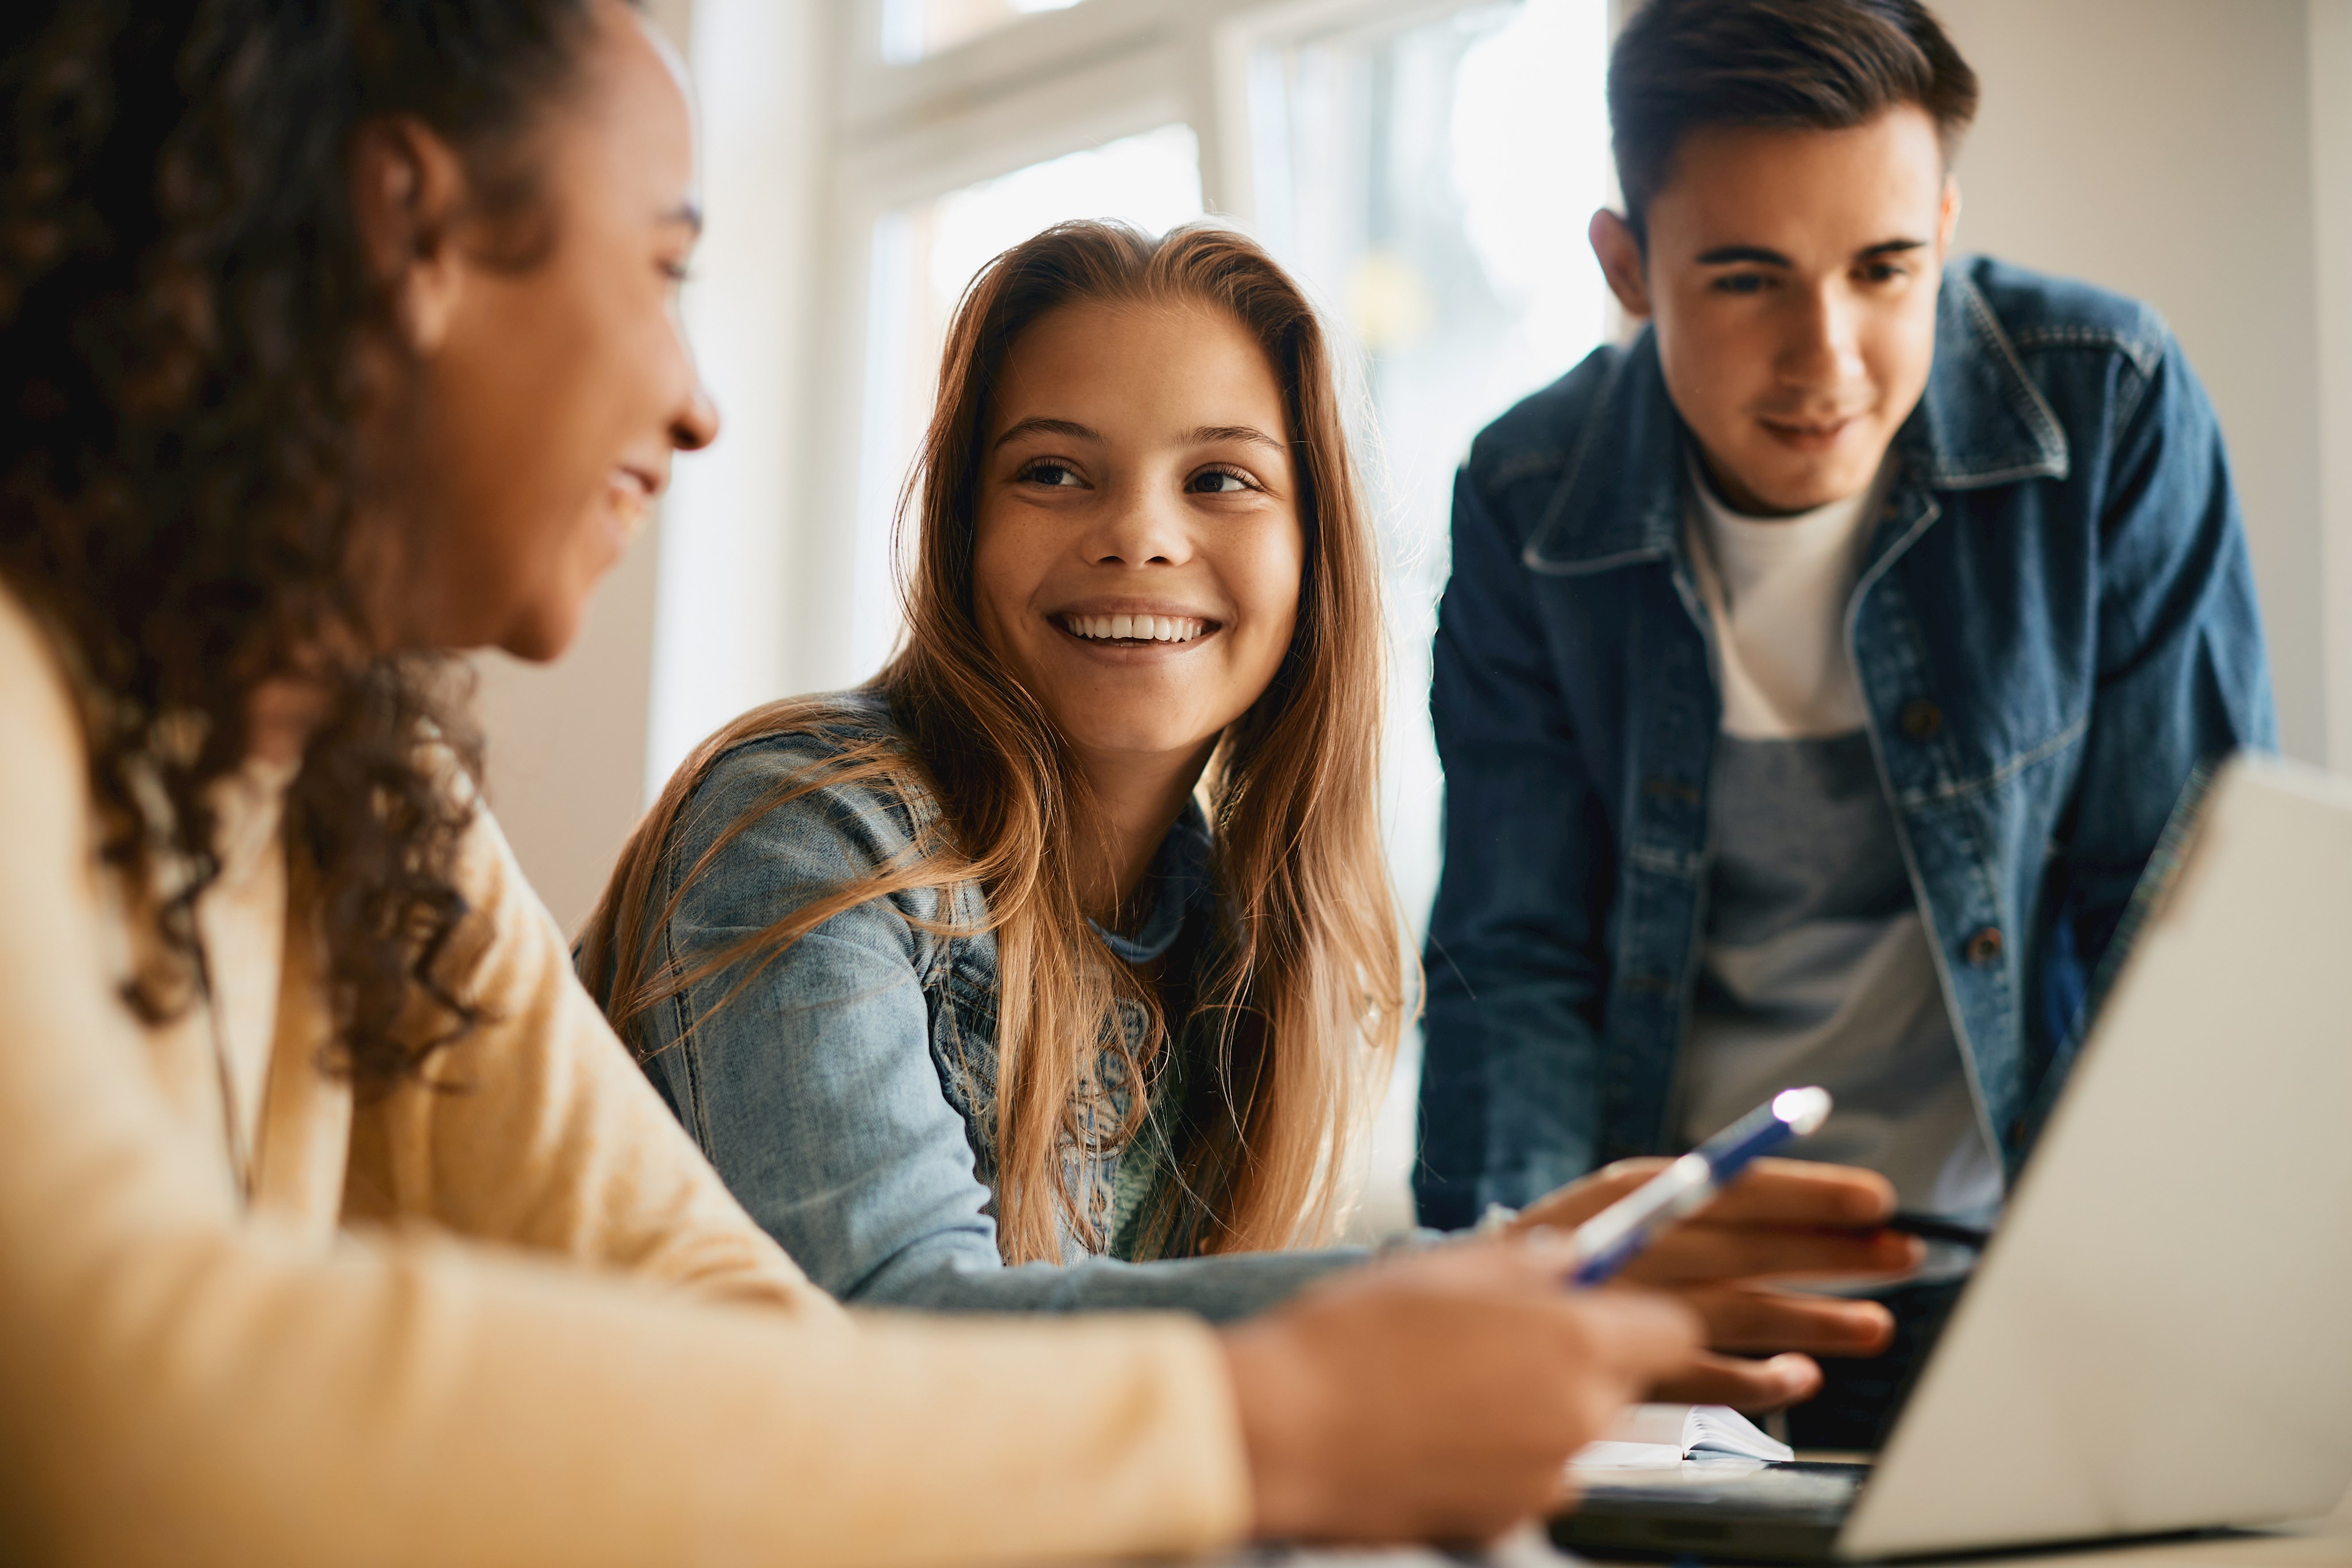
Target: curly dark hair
184,315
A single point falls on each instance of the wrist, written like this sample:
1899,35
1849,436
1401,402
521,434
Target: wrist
1275,1400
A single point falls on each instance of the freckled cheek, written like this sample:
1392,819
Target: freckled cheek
1273,576
1001,590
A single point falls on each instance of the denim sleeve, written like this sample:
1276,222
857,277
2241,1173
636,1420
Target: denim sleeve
813,1088
2182,675
1510,1099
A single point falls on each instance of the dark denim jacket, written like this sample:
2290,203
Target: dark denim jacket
846,1091
2054,625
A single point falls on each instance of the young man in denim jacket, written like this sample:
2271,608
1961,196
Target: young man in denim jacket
1817,672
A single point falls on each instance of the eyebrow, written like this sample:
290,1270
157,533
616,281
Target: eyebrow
1070,428
1212,434
688,213
1756,254
1200,435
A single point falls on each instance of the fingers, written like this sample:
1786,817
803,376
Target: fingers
1751,1386
1763,1320
1439,1395
1639,1336
1705,1248
1570,1205
1773,1195
1803,1192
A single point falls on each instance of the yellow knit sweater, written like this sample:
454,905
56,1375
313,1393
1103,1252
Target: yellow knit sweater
513,1321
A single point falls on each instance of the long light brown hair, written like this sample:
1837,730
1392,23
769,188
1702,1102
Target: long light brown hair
1305,987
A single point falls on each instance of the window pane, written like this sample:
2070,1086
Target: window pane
916,29
1431,184
923,256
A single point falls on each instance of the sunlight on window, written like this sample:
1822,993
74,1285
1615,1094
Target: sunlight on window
1432,183
923,259
917,29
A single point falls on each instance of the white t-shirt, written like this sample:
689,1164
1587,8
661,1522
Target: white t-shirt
1816,966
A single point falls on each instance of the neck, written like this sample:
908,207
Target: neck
281,715
1136,800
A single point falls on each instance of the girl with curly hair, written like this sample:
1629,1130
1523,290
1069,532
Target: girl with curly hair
334,1221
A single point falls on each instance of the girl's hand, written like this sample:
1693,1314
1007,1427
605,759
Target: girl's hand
1780,1219
1437,1396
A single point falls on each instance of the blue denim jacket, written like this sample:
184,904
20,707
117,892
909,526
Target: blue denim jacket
2054,625
847,1094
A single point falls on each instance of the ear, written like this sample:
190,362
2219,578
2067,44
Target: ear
1622,261
1948,219
408,194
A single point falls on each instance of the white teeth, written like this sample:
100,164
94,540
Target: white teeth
1136,628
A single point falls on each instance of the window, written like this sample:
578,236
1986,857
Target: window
914,29
1431,181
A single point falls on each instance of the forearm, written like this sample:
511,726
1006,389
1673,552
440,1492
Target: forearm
1218,1288
431,1405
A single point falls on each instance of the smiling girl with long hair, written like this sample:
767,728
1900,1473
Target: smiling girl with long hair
1067,943
964,953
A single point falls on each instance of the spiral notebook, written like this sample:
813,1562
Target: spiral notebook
1655,1436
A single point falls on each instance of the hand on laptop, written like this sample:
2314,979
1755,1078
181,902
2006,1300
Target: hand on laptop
1438,1396
1781,1219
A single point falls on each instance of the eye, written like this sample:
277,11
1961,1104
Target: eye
1884,271
1219,482
1052,473
677,272
1740,283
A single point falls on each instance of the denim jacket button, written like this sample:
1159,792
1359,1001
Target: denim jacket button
1659,789
1921,720
1983,947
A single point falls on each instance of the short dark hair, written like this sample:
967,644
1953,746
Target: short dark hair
1807,64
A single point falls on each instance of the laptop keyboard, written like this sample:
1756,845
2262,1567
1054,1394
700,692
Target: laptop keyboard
1806,1489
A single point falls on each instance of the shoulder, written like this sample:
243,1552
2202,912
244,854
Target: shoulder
46,761
1533,442
831,786
33,680
2041,315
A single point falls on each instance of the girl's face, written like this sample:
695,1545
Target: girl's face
1138,549
550,392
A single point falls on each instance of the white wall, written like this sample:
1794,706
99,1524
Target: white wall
2165,148
567,741
2331,185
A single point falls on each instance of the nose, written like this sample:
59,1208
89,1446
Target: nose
1142,526
696,426
1823,349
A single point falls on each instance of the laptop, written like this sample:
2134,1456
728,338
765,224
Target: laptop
2159,1337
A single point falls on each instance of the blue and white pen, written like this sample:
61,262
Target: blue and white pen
1616,1235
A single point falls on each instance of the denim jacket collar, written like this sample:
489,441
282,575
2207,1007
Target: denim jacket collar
1981,422
1178,879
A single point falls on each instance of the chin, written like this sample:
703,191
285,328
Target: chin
543,636
1802,488
1132,739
